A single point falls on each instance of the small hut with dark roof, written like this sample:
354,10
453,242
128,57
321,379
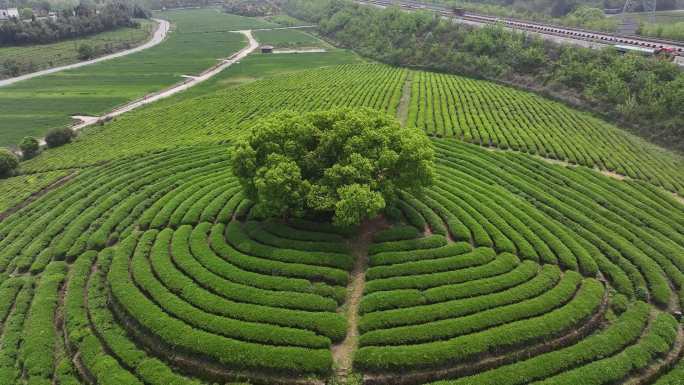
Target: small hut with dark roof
266,49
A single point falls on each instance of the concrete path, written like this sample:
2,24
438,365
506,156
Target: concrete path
158,37
178,87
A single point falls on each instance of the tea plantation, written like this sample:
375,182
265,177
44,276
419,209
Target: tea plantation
549,250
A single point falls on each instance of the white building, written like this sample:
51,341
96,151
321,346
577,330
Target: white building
9,13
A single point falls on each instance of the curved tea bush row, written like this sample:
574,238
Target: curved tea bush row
492,115
502,264
325,323
176,334
395,257
403,298
624,331
467,347
453,326
655,343
426,313
176,307
637,252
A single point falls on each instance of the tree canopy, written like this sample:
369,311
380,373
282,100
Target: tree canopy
345,163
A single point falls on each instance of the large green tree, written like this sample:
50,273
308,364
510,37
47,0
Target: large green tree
348,164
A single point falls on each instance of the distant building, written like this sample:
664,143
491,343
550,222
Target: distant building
266,49
9,13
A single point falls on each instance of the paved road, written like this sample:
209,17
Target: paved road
158,37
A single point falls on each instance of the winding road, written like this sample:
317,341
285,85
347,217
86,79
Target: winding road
158,37
178,87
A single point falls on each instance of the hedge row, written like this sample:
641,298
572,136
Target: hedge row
479,256
104,368
502,264
149,369
289,232
328,324
657,341
621,333
333,262
13,334
37,351
178,308
178,335
397,299
393,257
396,233
259,234
476,320
498,339
547,278
183,259
429,242
584,218
247,270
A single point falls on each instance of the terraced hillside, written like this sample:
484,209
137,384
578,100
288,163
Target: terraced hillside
144,256
550,249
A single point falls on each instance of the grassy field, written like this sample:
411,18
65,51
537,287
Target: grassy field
197,40
37,57
530,260
289,38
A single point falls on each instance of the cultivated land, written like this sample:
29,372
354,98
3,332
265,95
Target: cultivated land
550,249
203,36
37,57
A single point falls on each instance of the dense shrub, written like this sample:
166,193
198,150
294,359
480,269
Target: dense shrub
58,137
29,147
344,163
8,163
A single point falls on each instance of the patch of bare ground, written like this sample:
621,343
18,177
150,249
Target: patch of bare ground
344,351
402,109
488,361
59,182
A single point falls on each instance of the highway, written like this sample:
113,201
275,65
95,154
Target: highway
561,34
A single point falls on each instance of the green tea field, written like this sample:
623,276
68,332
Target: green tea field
549,248
202,36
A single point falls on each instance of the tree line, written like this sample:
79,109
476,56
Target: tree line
71,23
639,92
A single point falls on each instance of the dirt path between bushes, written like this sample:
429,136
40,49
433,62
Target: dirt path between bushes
404,102
343,352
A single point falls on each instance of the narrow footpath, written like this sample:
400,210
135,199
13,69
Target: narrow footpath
343,353
158,36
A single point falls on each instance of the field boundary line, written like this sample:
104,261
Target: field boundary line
159,35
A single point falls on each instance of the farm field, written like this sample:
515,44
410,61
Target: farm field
289,38
201,35
37,57
549,249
